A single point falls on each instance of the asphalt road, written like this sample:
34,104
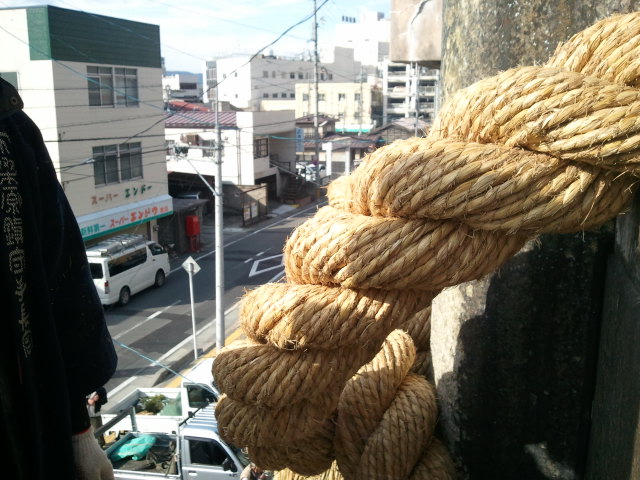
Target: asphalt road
158,322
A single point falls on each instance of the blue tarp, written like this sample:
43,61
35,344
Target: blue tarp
136,448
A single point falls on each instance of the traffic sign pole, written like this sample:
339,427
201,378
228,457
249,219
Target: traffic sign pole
192,267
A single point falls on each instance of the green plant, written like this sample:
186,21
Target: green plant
154,404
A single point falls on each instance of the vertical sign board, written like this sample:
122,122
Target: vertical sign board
299,139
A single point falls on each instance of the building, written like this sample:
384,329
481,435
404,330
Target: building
257,148
181,86
408,91
357,106
99,106
401,128
268,83
368,36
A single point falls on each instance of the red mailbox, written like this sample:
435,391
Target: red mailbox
193,225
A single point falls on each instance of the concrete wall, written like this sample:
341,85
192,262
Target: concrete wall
520,355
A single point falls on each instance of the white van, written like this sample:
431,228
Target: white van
126,264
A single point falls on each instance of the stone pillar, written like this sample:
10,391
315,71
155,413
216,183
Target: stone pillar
515,354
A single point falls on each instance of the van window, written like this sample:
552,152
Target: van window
96,271
156,249
125,262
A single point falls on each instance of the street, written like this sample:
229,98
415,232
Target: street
156,325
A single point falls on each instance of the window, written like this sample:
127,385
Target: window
116,163
305,97
265,95
110,86
261,147
292,75
342,96
206,452
127,261
156,249
273,74
265,74
283,95
274,95
356,97
321,97
292,95
300,76
11,77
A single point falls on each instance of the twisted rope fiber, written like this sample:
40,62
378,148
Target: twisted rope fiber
554,148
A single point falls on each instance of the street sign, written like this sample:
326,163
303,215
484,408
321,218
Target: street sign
191,266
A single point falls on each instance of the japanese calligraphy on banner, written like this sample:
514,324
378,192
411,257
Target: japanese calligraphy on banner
103,222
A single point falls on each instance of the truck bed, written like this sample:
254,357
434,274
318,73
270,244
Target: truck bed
159,460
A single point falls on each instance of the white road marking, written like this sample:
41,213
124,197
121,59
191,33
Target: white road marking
150,317
254,268
173,350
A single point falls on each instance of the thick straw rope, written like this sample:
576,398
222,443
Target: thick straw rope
554,148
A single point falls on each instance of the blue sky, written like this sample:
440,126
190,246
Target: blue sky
194,31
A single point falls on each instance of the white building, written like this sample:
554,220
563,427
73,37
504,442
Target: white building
368,36
99,107
267,83
256,146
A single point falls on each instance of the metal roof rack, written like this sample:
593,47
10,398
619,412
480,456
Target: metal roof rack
118,244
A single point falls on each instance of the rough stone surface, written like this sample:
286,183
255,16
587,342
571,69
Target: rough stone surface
416,19
615,435
515,354
514,358
483,37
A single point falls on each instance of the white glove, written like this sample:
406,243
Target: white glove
90,460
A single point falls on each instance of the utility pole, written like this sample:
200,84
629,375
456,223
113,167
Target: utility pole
416,86
220,336
360,102
315,82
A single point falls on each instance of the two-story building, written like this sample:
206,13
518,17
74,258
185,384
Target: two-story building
92,84
256,148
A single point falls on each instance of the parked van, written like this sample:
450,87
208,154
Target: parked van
126,264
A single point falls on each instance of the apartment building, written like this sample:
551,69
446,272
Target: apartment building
92,84
409,90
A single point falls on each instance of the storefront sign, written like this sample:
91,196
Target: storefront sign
106,221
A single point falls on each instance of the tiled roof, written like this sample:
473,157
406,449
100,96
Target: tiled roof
181,105
199,119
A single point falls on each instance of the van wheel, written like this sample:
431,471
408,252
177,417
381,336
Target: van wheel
159,278
125,296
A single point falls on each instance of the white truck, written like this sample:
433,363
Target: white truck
197,390
196,450
126,264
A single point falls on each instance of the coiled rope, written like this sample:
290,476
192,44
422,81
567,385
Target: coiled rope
324,374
